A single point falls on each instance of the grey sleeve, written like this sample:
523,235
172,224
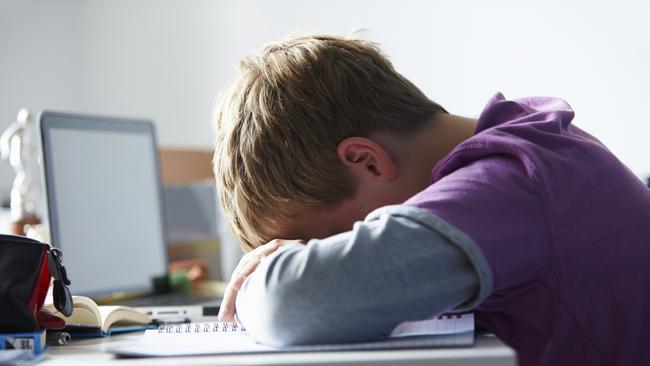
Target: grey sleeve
401,263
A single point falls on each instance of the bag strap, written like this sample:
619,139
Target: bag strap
60,292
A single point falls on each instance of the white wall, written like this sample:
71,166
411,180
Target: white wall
167,59
153,59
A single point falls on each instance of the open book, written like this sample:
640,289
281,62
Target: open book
90,320
216,338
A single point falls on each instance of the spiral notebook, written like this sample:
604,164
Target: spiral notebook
215,338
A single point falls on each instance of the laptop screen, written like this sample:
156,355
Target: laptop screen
104,202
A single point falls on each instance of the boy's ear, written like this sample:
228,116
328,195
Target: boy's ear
366,159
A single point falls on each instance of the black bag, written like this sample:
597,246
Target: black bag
26,268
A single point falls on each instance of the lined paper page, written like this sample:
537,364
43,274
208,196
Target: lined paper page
228,338
444,324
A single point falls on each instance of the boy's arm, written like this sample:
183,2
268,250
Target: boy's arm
400,264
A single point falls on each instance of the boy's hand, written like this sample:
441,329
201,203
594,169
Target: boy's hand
245,268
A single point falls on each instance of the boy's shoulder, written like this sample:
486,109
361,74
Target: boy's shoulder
533,133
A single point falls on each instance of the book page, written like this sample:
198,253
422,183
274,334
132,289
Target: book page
84,312
121,315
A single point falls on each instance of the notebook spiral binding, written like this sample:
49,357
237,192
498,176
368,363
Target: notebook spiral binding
204,327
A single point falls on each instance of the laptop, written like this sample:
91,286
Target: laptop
106,211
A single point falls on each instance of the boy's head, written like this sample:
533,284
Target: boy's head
307,138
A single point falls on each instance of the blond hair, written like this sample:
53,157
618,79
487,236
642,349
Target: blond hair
278,127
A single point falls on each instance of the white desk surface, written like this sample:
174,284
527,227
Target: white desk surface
488,351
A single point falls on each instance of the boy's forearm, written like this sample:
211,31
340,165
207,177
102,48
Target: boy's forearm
402,264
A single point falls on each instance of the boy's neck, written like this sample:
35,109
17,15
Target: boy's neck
447,131
421,152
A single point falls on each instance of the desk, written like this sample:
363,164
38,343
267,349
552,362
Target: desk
489,351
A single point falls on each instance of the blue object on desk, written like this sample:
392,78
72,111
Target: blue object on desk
32,342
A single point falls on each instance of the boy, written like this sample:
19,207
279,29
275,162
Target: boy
518,215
